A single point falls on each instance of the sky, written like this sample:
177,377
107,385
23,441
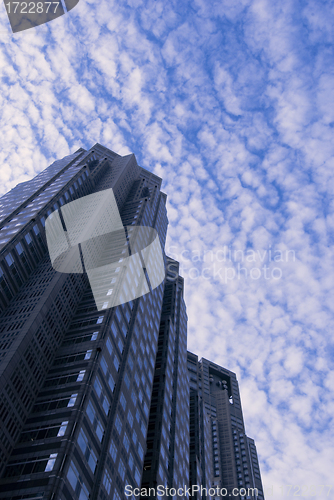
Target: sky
232,104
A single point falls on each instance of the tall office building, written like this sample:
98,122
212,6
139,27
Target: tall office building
221,454
94,398
76,382
166,460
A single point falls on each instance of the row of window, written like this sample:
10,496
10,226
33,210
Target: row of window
67,379
81,338
78,484
72,358
39,202
54,404
31,466
44,432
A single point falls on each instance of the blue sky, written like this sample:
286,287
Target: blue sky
232,104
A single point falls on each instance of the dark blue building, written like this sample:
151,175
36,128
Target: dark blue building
93,401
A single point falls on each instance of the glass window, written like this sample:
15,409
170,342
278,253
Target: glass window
130,418
51,462
76,482
126,442
72,400
109,345
28,238
19,248
123,401
137,476
94,336
111,382
114,329
88,354
9,259
62,429
99,430
104,365
121,469
127,380
118,424
81,375
106,405
116,363
106,481
113,451
98,386
134,397
130,361
87,451
137,379
82,441
90,412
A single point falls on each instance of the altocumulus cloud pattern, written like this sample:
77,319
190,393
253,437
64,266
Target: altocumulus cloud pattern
231,103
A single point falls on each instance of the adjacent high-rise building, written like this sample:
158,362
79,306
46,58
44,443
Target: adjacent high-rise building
96,401
221,454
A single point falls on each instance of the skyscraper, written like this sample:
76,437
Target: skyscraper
221,454
94,398
76,382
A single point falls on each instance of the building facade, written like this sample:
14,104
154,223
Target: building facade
221,454
166,460
94,399
76,382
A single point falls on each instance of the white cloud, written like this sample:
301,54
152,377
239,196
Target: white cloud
231,105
